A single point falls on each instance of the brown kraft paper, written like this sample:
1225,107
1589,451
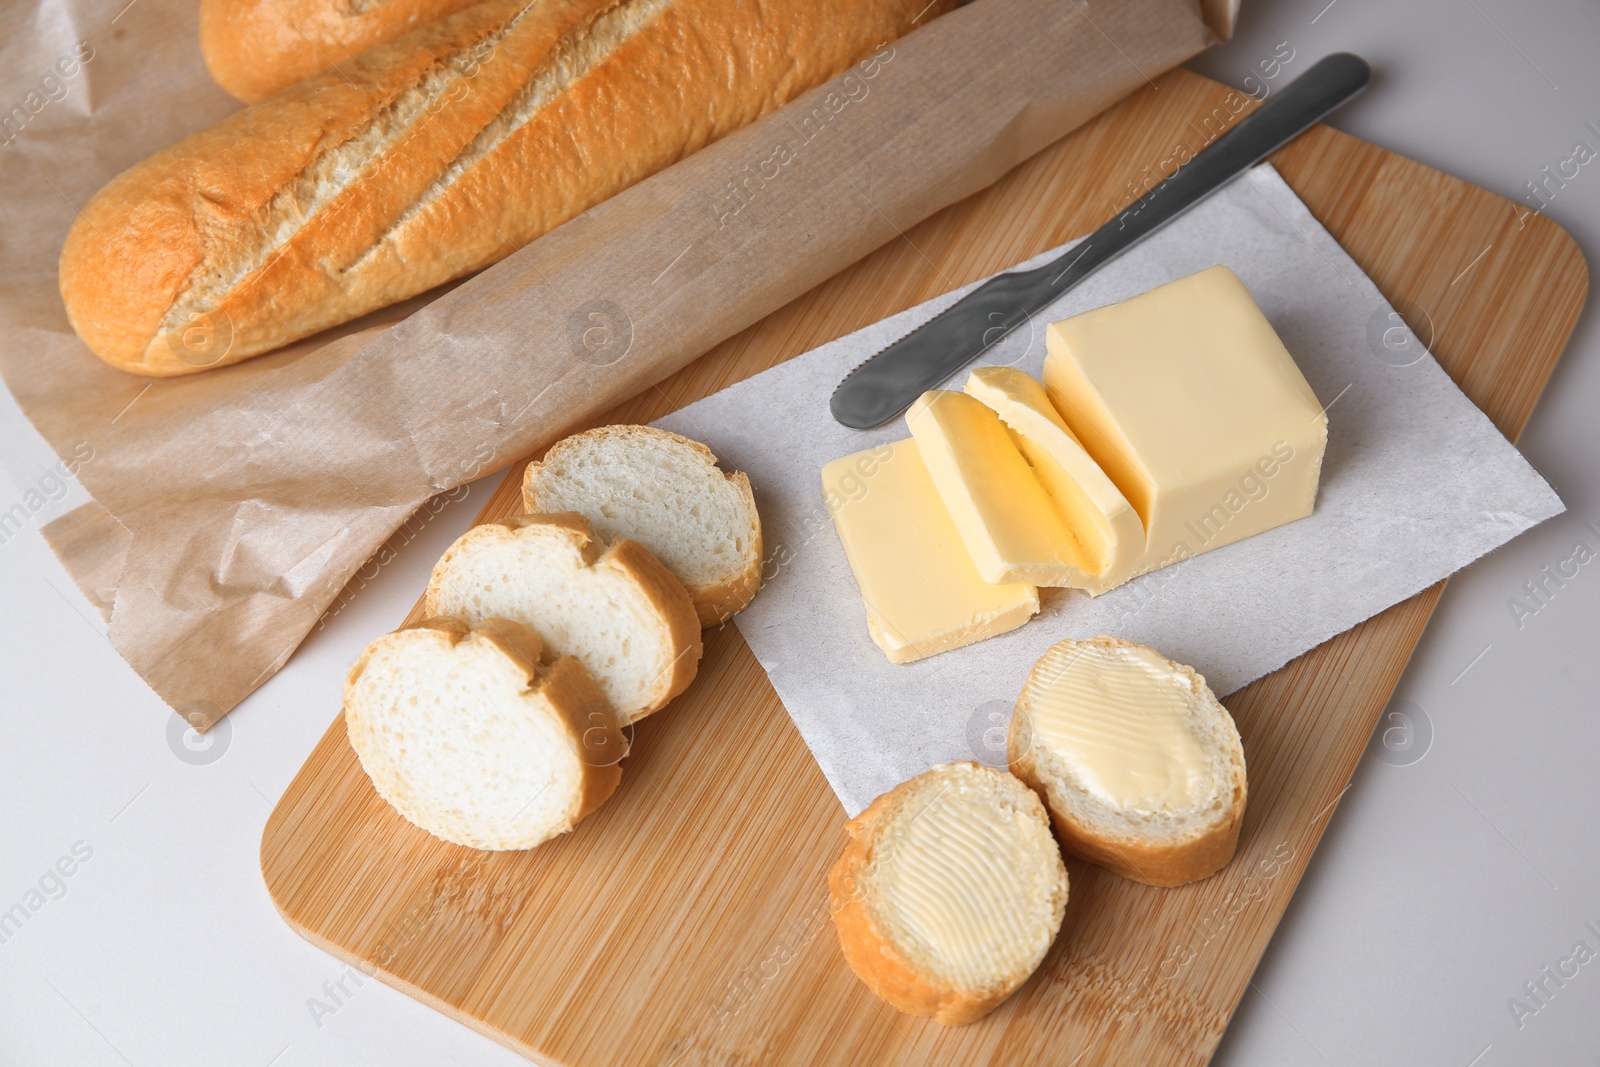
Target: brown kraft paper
241,501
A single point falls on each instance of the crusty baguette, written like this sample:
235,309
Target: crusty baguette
427,158
613,607
666,492
949,893
1156,840
480,737
254,48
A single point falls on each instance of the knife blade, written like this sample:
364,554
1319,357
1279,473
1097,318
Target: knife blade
886,384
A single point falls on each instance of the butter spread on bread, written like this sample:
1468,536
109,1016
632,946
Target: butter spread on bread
1140,765
949,893
427,158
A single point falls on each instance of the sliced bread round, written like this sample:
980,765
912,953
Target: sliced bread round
1140,765
479,736
613,607
666,492
950,892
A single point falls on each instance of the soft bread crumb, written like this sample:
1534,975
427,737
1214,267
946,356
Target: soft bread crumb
613,607
478,736
666,492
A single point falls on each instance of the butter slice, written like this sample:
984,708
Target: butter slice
1118,715
1108,531
923,594
1008,524
1188,400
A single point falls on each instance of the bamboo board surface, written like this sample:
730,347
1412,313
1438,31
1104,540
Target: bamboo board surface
687,922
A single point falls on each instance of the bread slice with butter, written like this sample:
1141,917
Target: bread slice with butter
612,606
479,735
1105,528
949,893
1140,765
666,492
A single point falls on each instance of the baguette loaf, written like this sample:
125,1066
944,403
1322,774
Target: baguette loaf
614,607
478,736
1140,765
949,893
666,492
427,158
253,48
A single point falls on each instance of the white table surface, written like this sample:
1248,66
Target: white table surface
1443,885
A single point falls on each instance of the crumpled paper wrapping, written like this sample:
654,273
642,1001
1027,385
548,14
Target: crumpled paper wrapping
241,501
1416,484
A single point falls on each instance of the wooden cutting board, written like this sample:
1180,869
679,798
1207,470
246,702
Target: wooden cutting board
687,922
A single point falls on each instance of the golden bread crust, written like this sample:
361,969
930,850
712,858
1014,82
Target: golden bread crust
405,167
254,48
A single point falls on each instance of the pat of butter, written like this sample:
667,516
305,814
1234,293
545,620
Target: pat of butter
1008,524
922,592
1188,400
1109,534
952,877
1119,717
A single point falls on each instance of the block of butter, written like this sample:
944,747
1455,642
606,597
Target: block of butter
922,592
1188,400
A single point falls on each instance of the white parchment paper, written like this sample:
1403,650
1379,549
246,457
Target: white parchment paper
1416,483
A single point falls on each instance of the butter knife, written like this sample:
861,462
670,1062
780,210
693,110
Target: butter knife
887,383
